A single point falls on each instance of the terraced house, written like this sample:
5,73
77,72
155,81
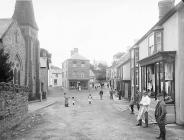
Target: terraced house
161,59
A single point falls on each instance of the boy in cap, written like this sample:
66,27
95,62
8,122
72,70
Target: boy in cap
160,115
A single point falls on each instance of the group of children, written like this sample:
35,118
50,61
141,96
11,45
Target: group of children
74,100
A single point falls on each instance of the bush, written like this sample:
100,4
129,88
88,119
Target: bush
6,72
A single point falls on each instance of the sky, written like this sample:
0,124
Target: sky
98,28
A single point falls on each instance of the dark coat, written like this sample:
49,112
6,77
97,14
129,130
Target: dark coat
160,113
101,92
138,97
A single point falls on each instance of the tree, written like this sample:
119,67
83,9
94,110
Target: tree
101,72
102,67
100,75
6,72
117,57
92,67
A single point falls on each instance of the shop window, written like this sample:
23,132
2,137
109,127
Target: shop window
158,78
169,83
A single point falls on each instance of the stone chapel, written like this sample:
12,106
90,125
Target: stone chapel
24,15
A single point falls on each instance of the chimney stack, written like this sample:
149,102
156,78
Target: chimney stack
74,51
164,7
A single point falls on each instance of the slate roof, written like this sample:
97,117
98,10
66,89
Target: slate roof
4,25
55,67
24,13
77,56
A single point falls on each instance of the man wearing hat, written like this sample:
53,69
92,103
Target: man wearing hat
160,115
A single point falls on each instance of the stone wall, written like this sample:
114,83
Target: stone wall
13,105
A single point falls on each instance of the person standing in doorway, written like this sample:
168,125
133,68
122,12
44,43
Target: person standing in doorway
101,94
160,116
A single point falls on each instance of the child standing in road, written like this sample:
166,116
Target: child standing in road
132,105
101,94
90,99
73,100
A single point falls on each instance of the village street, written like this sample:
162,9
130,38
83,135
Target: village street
101,120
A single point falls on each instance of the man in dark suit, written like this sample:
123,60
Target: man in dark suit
160,116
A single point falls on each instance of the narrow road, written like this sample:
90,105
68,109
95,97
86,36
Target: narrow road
101,120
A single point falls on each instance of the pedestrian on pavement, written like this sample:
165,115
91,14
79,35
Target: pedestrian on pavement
144,104
66,100
160,115
101,94
132,105
90,99
111,94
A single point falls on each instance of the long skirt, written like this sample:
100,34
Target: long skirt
140,114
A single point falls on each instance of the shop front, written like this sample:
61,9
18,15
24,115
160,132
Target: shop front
158,76
74,84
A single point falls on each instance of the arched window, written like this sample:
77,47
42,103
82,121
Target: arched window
15,76
17,69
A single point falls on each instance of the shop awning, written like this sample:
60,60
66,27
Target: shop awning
165,56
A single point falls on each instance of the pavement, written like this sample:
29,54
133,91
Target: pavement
54,95
34,106
120,105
